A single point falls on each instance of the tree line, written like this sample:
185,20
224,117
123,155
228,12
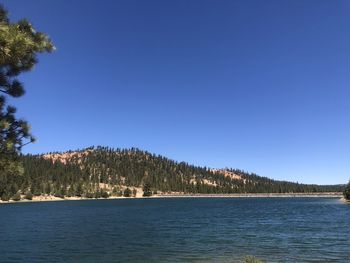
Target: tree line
103,171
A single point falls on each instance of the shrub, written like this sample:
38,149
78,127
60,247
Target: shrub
5,197
115,191
37,193
127,192
104,194
70,192
16,197
59,195
147,190
28,196
89,195
98,194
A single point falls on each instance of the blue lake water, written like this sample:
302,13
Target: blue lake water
176,230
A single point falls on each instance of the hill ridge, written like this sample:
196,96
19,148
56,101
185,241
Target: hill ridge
105,171
117,169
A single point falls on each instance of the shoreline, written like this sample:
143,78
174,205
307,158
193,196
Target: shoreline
258,195
37,199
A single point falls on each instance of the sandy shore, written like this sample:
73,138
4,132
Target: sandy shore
49,198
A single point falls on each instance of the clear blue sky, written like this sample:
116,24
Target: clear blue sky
262,86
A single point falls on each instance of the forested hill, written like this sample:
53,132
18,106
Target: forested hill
102,171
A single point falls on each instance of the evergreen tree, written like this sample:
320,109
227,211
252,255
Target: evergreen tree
147,190
19,46
131,168
127,192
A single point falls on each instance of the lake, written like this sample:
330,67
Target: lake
176,230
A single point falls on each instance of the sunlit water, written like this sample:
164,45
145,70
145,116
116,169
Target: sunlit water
176,230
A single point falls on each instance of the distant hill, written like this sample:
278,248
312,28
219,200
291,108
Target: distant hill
102,171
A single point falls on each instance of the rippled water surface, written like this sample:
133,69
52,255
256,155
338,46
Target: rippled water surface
176,230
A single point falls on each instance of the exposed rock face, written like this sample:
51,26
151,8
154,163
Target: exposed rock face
65,157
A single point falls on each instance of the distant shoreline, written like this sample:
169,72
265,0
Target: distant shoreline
262,195
175,195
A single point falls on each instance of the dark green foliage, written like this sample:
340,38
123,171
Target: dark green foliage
147,190
116,191
28,196
347,192
5,197
85,170
104,194
16,197
59,195
19,45
90,195
98,194
127,192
